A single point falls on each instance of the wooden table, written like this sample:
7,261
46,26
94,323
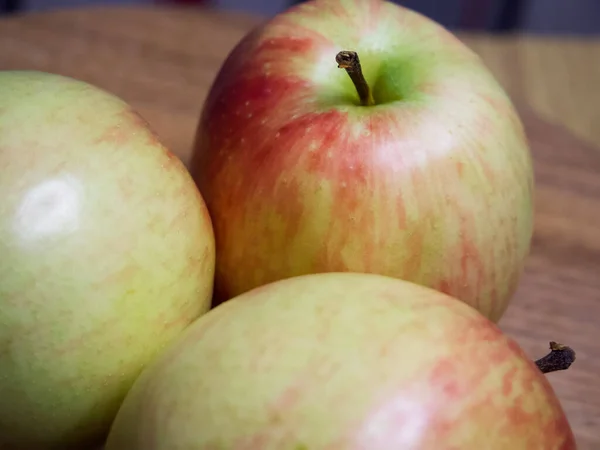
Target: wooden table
163,60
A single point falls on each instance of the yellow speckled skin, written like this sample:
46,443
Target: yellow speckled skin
342,362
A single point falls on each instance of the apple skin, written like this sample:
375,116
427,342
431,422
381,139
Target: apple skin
434,184
342,361
107,255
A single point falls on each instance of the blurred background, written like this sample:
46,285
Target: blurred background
533,16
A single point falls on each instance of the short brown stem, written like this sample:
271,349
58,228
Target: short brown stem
560,358
349,60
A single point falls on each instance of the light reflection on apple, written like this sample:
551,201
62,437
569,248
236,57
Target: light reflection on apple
382,429
51,208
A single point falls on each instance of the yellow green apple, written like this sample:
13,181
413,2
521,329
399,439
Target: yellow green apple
106,255
342,361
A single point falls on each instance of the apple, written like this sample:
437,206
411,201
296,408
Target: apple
342,361
431,183
107,254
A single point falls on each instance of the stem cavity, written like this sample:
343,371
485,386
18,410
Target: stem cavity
349,61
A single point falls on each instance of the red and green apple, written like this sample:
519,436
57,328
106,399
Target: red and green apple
415,166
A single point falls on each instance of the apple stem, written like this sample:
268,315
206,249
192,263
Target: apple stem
560,358
349,60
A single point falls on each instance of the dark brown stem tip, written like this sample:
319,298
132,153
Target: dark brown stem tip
347,60
560,358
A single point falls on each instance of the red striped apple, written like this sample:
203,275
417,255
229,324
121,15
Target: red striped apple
342,361
415,166
106,255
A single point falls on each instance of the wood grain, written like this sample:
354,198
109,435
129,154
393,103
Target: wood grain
162,61
557,77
